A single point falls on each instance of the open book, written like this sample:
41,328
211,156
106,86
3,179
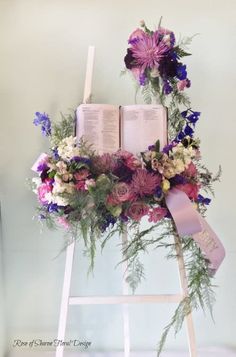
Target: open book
132,127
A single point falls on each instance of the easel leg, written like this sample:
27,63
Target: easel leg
125,307
184,286
65,298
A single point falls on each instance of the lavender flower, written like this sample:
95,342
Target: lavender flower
43,120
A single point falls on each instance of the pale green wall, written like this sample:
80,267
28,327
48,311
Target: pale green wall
43,51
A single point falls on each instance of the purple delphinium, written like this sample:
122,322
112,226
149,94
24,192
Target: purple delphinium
43,120
193,117
188,130
55,154
167,87
181,72
109,220
203,200
80,159
52,207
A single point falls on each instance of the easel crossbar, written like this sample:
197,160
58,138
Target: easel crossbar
124,299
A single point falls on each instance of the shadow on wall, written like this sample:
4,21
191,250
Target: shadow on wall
2,297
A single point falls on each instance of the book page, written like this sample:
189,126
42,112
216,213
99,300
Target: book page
143,125
99,125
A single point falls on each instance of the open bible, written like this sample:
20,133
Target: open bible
132,127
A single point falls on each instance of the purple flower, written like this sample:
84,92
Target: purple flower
188,130
42,167
43,120
194,117
52,207
203,200
180,136
151,147
184,113
158,192
129,59
55,154
167,148
168,66
167,88
142,79
181,72
80,159
177,180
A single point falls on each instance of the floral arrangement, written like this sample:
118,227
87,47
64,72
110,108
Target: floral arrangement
94,196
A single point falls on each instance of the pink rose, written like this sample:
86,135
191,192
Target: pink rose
190,189
43,190
191,170
137,210
82,174
62,221
157,214
121,192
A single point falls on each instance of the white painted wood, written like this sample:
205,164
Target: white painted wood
89,75
125,290
124,299
184,286
65,297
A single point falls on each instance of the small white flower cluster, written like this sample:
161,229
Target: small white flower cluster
67,148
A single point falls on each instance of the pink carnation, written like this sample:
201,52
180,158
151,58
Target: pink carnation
191,170
157,214
137,210
43,190
190,189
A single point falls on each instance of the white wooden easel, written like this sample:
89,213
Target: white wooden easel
124,299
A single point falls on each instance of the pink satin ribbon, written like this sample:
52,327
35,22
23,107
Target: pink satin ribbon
189,222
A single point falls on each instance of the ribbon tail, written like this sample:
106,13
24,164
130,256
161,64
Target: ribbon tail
189,222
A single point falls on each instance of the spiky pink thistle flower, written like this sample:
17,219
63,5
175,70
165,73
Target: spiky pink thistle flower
149,50
144,183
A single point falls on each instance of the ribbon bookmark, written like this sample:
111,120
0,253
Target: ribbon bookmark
189,222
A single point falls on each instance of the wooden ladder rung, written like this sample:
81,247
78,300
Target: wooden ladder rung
125,299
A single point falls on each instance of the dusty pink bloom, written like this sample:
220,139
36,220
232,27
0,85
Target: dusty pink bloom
181,85
144,183
157,214
121,192
82,174
191,170
190,189
44,190
149,51
62,221
137,210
